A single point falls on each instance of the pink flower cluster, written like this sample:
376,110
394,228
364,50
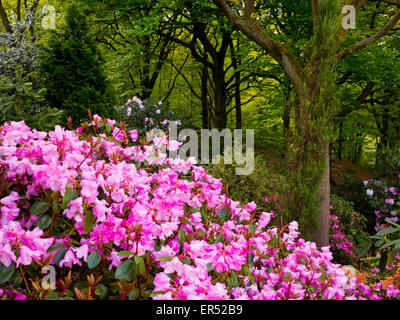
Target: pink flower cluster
203,245
339,239
383,199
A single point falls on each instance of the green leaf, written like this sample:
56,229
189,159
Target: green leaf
60,255
102,291
387,231
125,253
251,259
70,194
93,259
142,266
235,280
124,269
163,258
388,244
55,247
186,261
379,243
88,221
51,296
393,223
364,249
44,221
222,213
39,208
6,273
134,294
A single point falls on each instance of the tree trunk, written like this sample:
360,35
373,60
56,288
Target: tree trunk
204,103
340,142
323,196
286,124
4,19
221,117
238,102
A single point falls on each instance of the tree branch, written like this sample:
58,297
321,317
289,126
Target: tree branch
4,19
392,2
364,43
274,48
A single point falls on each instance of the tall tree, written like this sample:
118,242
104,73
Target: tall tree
313,75
129,30
73,73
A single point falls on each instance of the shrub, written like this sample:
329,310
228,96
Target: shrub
71,68
145,116
21,94
352,190
127,222
388,164
246,188
347,231
385,200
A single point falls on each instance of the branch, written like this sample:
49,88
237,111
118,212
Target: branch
275,49
364,43
179,72
392,2
4,19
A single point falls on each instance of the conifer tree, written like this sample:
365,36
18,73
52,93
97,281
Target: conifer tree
72,70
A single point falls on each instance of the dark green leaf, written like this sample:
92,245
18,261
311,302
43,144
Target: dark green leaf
251,259
60,255
55,247
134,294
163,258
6,273
88,221
93,259
44,221
125,253
222,213
124,269
387,231
70,194
39,208
102,291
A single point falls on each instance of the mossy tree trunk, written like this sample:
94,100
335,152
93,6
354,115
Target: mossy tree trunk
313,76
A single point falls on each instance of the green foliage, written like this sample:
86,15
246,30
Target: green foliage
385,244
354,223
21,95
144,116
246,188
300,200
388,164
352,190
71,67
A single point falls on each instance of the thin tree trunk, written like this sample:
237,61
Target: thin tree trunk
204,103
238,102
323,196
286,124
4,19
340,147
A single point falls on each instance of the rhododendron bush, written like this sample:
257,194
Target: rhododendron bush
119,219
